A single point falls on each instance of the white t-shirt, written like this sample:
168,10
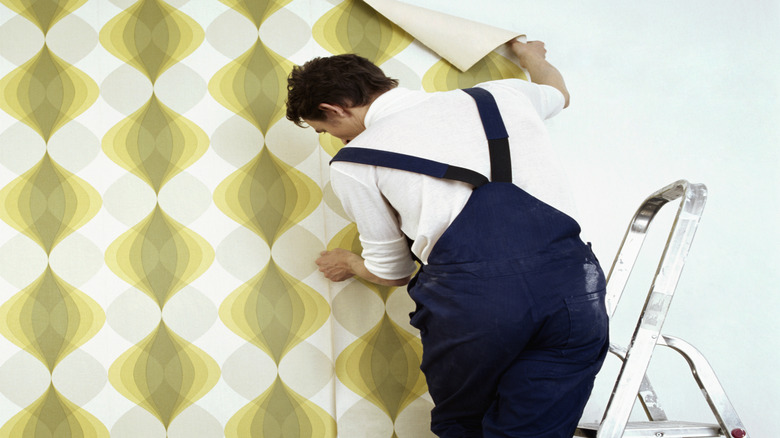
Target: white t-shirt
444,126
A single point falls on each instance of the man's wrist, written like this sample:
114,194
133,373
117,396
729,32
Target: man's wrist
355,264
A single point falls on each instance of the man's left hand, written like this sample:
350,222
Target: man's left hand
337,264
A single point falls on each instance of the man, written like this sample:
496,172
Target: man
509,300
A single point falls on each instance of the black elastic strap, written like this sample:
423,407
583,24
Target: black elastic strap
495,131
409,163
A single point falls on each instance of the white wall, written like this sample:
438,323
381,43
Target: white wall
665,90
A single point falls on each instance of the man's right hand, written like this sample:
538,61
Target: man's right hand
525,52
532,56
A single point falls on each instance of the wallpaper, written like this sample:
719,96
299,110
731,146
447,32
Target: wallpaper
160,219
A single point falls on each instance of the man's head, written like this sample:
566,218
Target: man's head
341,82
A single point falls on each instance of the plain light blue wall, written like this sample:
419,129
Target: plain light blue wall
667,90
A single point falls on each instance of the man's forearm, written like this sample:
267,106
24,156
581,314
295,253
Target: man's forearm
358,266
341,264
532,58
542,72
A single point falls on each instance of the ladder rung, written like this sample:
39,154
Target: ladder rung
656,429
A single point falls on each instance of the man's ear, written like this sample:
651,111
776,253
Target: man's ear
336,110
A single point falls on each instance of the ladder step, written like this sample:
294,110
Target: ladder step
657,429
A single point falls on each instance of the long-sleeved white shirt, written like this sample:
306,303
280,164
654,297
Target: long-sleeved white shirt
387,204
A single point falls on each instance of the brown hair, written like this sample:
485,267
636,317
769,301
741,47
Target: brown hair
347,80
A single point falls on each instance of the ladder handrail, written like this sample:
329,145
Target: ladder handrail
647,332
635,237
710,386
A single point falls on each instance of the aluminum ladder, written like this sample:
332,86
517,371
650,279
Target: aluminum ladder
632,381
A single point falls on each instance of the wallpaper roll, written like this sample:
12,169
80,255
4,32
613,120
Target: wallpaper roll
460,41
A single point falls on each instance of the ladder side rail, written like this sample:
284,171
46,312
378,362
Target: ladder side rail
633,239
711,388
647,396
627,385
621,270
654,311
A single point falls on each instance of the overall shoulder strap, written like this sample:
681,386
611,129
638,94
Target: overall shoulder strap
498,144
498,139
409,163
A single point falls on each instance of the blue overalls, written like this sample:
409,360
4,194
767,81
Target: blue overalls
510,306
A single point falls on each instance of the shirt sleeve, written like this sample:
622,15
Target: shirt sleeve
546,100
385,249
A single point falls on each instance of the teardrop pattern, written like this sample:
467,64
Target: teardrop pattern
53,415
354,27
151,36
164,374
44,13
155,143
45,93
279,413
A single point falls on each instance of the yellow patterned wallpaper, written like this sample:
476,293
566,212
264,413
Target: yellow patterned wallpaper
160,219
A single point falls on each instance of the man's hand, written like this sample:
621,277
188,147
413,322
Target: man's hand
525,52
337,264
532,57
340,264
